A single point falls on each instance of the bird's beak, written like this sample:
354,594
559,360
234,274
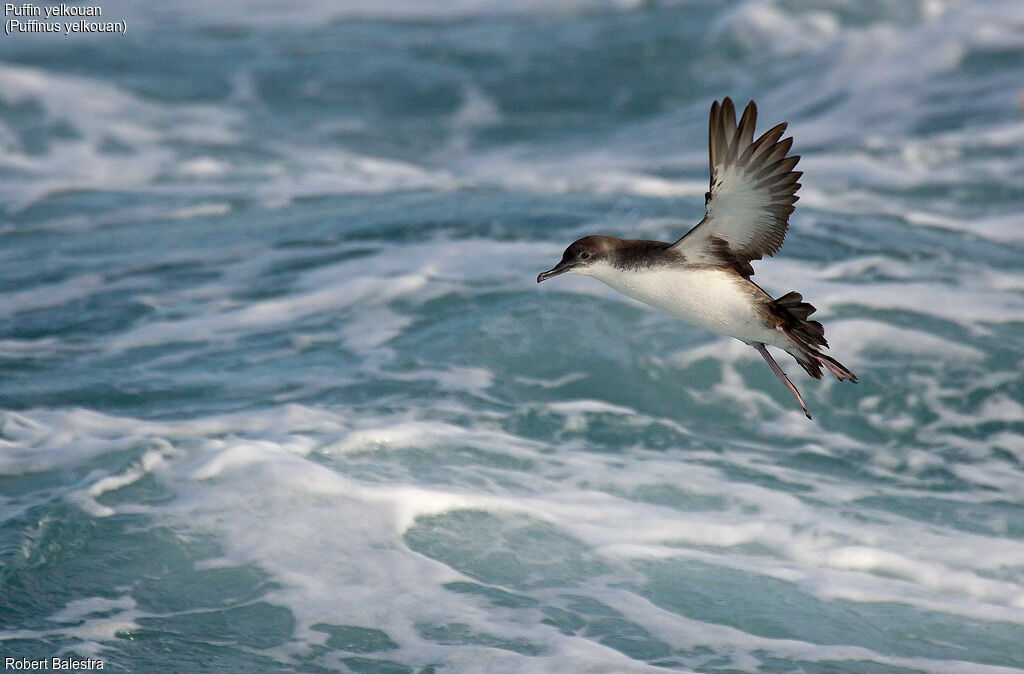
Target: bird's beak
559,268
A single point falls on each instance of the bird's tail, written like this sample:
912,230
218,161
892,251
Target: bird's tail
807,337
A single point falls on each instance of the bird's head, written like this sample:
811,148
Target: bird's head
582,256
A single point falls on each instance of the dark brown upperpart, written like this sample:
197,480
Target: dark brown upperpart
625,254
633,254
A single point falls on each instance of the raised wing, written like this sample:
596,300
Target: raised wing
753,189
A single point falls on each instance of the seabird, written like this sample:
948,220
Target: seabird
704,277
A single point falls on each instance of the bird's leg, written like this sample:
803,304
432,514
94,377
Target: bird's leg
781,375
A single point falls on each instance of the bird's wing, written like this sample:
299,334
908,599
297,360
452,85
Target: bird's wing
753,189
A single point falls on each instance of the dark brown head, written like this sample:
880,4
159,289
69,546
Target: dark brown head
583,254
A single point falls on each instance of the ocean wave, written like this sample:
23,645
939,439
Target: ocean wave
830,536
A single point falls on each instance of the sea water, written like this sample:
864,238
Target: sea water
280,392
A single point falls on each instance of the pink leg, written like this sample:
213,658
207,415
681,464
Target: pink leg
781,375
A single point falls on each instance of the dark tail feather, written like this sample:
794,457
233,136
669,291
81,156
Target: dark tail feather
793,302
809,365
809,336
794,312
841,372
812,360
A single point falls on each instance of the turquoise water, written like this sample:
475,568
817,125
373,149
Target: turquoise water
279,392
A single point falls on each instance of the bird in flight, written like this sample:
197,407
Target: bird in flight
704,277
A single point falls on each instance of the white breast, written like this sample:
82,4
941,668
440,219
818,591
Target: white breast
708,298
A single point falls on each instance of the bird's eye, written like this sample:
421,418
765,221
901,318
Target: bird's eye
585,255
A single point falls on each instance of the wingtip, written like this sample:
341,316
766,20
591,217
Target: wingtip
727,101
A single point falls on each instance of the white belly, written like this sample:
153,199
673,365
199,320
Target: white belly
708,298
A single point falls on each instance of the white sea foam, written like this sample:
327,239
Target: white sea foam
857,336
361,510
45,296
100,113
365,572
628,161
418,273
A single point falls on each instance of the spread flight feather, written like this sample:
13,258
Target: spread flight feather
753,189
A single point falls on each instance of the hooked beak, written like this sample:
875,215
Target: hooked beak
559,268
